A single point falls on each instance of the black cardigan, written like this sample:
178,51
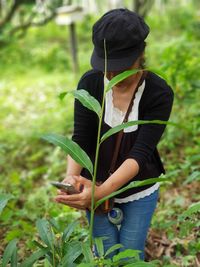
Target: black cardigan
155,104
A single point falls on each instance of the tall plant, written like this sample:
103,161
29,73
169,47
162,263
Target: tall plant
80,156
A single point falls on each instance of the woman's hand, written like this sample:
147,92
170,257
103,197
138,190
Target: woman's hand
81,200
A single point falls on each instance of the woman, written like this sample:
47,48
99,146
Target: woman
124,33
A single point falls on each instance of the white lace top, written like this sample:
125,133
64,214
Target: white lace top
114,117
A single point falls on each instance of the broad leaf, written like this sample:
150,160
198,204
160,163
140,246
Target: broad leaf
71,148
113,248
9,251
99,245
195,176
120,77
49,255
69,230
74,250
86,250
131,123
143,264
128,253
13,262
194,208
35,242
132,185
4,198
87,265
85,98
33,258
55,225
45,232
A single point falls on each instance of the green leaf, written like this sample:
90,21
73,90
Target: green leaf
132,185
13,262
159,73
45,232
9,251
87,100
68,231
194,208
54,224
47,263
86,265
131,123
86,250
34,257
74,250
51,259
4,198
62,95
195,176
113,248
99,245
142,264
35,242
71,148
128,253
120,77
194,158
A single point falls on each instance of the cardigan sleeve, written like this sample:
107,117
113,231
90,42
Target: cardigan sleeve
85,120
150,134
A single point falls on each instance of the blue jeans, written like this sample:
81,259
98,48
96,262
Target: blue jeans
134,228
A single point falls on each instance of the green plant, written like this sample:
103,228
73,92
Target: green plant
80,156
60,249
4,198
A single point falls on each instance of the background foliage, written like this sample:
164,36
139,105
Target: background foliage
36,68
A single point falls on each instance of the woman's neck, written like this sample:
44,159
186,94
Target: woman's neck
128,85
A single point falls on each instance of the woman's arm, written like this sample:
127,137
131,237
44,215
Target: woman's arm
73,168
122,175
128,169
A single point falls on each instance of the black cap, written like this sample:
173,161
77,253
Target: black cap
124,32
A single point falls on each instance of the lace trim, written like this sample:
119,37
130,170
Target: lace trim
138,195
114,116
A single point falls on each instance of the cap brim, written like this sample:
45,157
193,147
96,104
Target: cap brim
117,64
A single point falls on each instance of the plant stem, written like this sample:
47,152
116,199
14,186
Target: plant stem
97,156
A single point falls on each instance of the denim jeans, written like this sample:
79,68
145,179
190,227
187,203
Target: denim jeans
133,230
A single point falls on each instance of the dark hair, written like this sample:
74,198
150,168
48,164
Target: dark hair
142,62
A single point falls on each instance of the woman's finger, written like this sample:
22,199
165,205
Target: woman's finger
72,206
78,205
72,179
75,197
61,192
69,180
